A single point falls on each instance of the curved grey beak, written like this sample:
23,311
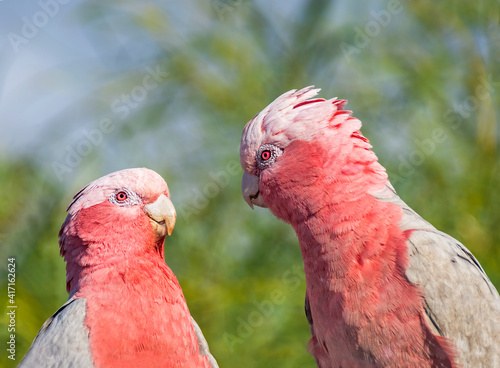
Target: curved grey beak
250,190
162,215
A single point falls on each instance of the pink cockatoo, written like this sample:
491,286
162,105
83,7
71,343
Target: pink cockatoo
126,308
384,287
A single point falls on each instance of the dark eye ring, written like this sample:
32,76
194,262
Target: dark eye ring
265,155
121,196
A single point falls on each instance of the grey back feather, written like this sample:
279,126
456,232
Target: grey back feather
63,340
203,345
461,303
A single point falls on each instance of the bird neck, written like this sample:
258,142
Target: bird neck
97,264
353,239
344,228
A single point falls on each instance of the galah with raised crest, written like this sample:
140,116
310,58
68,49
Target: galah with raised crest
384,288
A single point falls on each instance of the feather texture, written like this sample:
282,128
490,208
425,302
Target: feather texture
63,340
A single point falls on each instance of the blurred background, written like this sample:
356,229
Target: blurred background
90,87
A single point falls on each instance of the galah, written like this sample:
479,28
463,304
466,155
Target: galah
125,307
384,288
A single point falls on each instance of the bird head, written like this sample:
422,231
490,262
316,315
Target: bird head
297,148
124,213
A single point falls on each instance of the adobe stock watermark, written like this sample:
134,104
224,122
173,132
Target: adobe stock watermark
122,106
217,182
364,36
32,25
453,118
11,308
290,280
223,7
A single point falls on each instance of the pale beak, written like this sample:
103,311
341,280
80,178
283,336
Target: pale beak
161,215
250,190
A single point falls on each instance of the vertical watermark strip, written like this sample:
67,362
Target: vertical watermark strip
11,308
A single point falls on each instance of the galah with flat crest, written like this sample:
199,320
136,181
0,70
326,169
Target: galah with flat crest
384,288
126,308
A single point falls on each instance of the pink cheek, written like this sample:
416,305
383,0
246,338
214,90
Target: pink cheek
266,183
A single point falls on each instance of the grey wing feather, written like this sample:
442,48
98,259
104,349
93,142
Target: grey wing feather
461,303
312,346
203,345
63,340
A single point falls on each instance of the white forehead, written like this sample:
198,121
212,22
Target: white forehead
272,121
142,181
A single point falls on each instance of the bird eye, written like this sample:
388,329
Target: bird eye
124,197
121,196
265,155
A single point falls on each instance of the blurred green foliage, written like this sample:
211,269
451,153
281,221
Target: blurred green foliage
424,77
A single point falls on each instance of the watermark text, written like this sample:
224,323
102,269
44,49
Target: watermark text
11,308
